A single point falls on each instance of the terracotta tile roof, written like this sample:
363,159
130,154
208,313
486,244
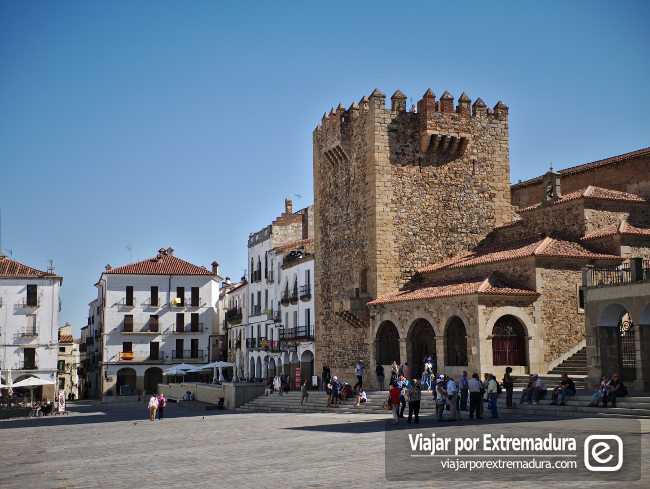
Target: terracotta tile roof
295,244
589,166
550,246
11,268
596,193
623,228
161,265
66,338
494,283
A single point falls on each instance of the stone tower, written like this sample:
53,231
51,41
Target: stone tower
395,191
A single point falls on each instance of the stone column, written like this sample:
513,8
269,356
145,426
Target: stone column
440,353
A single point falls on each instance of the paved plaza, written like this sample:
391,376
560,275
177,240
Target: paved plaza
116,446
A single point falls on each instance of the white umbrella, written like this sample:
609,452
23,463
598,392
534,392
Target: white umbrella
176,370
220,366
32,382
10,382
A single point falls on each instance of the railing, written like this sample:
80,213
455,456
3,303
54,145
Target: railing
270,278
638,270
251,342
127,302
269,314
188,355
294,297
152,302
27,366
28,304
234,314
277,317
189,328
256,276
262,343
139,357
305,332
193,303
256,310
178,304
30,331
274,346
305,292
149,330
288,334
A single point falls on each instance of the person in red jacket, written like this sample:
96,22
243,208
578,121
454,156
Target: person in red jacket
394,393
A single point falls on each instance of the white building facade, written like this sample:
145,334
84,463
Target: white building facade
152,314
29,317
277,334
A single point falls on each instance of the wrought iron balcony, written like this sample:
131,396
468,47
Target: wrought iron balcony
189,328
305,332
127,302
190,355
234,315
256,310
305,292
251,343
27,366
30,331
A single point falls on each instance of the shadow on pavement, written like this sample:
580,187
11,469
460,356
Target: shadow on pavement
85,412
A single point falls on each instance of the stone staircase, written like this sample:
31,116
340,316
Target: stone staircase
636,406
574,366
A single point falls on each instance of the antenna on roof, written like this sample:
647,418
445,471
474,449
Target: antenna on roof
130,250
11,253
50,266
297,196
550,163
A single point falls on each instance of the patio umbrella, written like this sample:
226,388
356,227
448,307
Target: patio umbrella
178,370
30,383
9,382
220,366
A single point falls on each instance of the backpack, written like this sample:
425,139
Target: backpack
499,388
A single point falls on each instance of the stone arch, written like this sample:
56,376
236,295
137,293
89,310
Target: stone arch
307,366
456,342
152,377
509,342
271,368
422,314
451,312
251,370
618,341
644,317
126,381
611,315
420,342
387,343
258,368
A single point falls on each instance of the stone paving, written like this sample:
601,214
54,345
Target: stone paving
116,446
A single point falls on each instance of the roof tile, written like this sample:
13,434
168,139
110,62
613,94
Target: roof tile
494,283
622,228
11,268
591,192
161,265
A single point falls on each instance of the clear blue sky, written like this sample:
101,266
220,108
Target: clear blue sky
186,124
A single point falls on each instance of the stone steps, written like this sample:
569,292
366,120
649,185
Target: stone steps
576,364
637,407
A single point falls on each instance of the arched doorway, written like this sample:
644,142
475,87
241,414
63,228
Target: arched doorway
251,369
617,335
508,342
286,366
152,377
421,343
271,368
306,366
456,336
258,368
387,343
126,382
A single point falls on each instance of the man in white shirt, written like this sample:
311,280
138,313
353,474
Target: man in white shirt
153,407
452,394
474,386
359,371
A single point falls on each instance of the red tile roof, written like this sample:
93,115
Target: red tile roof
595,193
66,338
623,228
295,244
550,246
161,265
494,283
11,268
589,166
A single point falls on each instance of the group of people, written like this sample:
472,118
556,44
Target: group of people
44,408
157,404
608,391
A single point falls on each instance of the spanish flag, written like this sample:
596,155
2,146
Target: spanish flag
176,301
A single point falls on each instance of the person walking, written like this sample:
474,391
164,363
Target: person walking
379,370
393,373
394,395
304,395
428,372
406,371
336,391
162,404
153,406
508,385
493,389
415,394
464,390
359,371
474,386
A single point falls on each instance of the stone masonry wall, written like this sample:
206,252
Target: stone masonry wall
563,325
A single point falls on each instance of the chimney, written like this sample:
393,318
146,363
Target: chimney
227,280
215,268
288,206
108,267
170,251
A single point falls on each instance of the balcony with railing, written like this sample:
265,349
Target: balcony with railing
305,292
194,302
146,328
269,277
274,346
256,310
277,317
294,296
27,365
251,343
234,315
152,302
262,344
30,331
139,357
127,302
305,332
270,315
287,334
188,328
29,303
256,276
189,355
638,270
